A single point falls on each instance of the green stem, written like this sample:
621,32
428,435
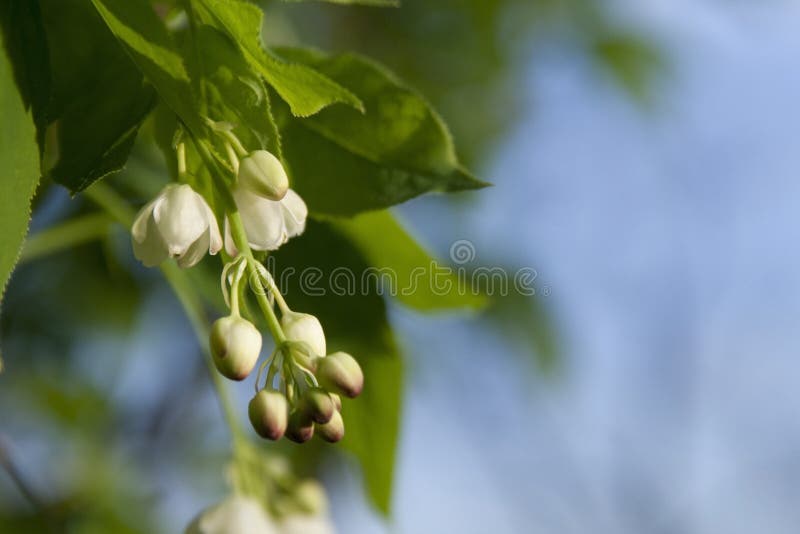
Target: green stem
240,239
66,235
109,200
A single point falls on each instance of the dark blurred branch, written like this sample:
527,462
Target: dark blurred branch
16,476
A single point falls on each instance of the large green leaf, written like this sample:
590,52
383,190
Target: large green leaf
26,44
146,39
408,271
98,99
20,158
79,83
356,322
303,88
344,162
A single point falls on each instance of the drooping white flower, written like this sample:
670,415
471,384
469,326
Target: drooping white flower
178,223
268,223
234,515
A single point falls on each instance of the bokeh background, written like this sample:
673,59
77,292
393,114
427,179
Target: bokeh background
645,161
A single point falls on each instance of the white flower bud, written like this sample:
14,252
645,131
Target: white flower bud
268,223
333,430
317,404
234,515
263,174
178,223
306,328
340,372
269,414
235,346
311,497
300,428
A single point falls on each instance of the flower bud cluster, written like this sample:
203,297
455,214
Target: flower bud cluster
305,402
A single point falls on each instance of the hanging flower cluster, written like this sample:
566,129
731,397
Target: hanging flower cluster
300,394
303,383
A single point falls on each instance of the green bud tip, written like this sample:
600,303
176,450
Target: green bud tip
340,372
333,430
263,174
235,346
269,414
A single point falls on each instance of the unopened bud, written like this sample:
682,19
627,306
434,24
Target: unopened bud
318,405
311,498
305,328
337,401
341,372
263,174
333,430
235,346
269,414
300,428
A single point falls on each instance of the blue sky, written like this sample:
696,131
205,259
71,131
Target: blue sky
669,239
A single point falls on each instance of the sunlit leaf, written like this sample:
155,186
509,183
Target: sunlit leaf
20,158
406,269
344,162
306,90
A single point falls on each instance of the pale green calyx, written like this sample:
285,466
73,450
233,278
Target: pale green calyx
178,223
263,174
235,346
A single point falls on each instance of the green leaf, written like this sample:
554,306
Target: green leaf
355,322
412,275
232,91
25,41
303,88
344,162
631,60
97,100
87,97
20,158
146,40
527,321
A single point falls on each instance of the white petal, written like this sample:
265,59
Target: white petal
262,218
295,213
180,218
215,238
234,515
230,246
139,228
151,250
195,252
